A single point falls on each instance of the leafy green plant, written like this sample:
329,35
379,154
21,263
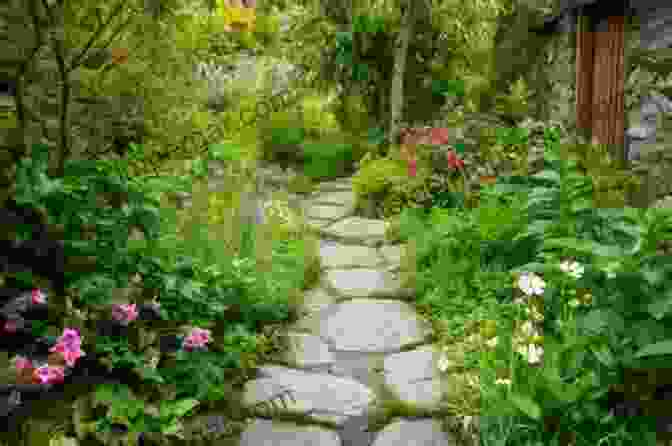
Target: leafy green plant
525,225
325,160
189,288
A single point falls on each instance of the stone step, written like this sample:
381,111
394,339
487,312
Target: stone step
356,231
365,283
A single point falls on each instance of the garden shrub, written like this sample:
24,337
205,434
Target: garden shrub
227,295
281,137
381,181
326,161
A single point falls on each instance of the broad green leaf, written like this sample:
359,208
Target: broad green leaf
526,405
181,407
656,349
661,306
549,175
173,429
603,354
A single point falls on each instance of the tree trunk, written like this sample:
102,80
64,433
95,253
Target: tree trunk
401,52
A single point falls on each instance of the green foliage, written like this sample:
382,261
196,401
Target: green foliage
510,147
324,160
195,280
123,407
611,183
375,175
514,106
464,260
281,136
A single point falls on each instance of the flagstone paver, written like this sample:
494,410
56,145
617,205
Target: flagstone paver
357,230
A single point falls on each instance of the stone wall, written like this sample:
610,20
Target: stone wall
31,93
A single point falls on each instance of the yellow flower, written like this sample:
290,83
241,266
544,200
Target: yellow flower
236,17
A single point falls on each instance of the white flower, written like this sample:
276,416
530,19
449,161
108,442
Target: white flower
492,343
503,381
536,353
574,269
527,328
531,284
443,363
530,352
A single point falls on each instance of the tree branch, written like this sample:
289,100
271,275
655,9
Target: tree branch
399,70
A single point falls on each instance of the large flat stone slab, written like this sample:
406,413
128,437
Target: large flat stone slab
423,432
364,282
392,254
357,230
376,326
284,433
318,223
336,255
307,351
321,397
328,211
343,198
413,377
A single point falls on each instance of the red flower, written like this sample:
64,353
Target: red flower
412,167
439,136
453,161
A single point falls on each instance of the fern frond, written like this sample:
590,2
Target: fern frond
270,405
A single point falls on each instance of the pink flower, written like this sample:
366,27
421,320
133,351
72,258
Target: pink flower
69,346
38,297
47,374
125,313
70,355
70,338
21,362
10,326
196,339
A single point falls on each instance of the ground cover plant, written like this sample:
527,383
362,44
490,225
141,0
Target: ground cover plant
570,304
192,322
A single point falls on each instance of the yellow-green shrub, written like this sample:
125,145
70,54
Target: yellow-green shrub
317,119
386,181
375,175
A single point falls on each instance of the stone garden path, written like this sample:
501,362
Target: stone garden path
359,343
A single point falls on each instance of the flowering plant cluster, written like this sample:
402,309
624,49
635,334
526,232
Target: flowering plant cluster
66,352
196,339
433,136
527,338
125,313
